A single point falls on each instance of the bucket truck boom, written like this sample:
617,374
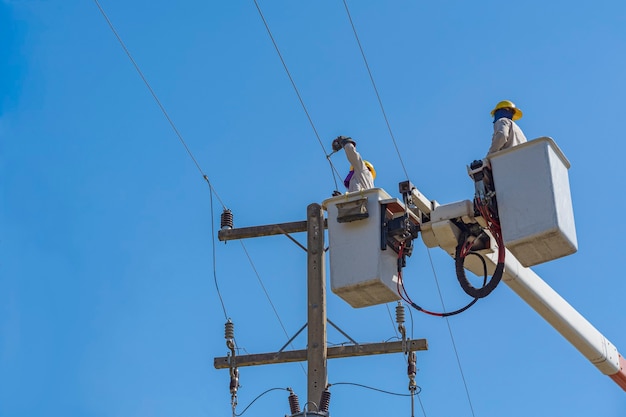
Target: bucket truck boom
443,223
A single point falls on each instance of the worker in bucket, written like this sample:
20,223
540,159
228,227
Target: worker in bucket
506,133
362,173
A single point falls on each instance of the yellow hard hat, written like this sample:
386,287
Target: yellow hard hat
369,166
517,113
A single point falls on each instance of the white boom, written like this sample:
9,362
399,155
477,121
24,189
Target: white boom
441,231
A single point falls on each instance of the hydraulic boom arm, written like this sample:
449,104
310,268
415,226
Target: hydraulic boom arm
439,229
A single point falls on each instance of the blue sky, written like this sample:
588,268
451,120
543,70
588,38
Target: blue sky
108,302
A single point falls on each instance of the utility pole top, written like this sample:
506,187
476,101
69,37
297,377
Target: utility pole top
317,352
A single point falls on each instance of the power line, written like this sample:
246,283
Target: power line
456,353
373,388
217,288
259,396
212,189
393,323
268,297
380,102
156,99
180,138
206,178
293,84
407,176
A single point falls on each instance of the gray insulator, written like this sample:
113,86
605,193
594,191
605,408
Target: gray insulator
400,318
229,331
294,403
325,401
226,220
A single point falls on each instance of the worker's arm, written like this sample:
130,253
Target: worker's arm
349,146
354,157
501,131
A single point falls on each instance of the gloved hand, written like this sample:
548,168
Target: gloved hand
341,141
349,140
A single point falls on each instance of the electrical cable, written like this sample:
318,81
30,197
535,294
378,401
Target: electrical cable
406,173
393,323
217,288
268,297
463,249
456,352
293,84
412,322
405,296
259,396
158,102
419,398
206,178
375,389
180,137
380,102
432,313
264,289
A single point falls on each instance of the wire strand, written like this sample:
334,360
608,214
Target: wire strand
407,176
293,84
419,398
211,188
156,99
268,297
259,396
182,141
375,389
217,287
206,178
380,102
456,353
393,323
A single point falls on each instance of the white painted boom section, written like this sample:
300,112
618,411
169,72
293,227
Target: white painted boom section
560,314
533,290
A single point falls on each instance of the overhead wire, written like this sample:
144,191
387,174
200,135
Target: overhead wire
206,178
180,138
293,84
195,161
398,394
407,176
259,396
156,99
456,353
268,296
313,125
219,294
380,101
393,323
382,108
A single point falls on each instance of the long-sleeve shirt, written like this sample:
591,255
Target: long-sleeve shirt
362,178
506,134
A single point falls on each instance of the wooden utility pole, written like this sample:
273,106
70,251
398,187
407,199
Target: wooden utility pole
317,376
317,351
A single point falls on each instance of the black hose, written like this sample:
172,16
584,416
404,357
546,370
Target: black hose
469,289
460,310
